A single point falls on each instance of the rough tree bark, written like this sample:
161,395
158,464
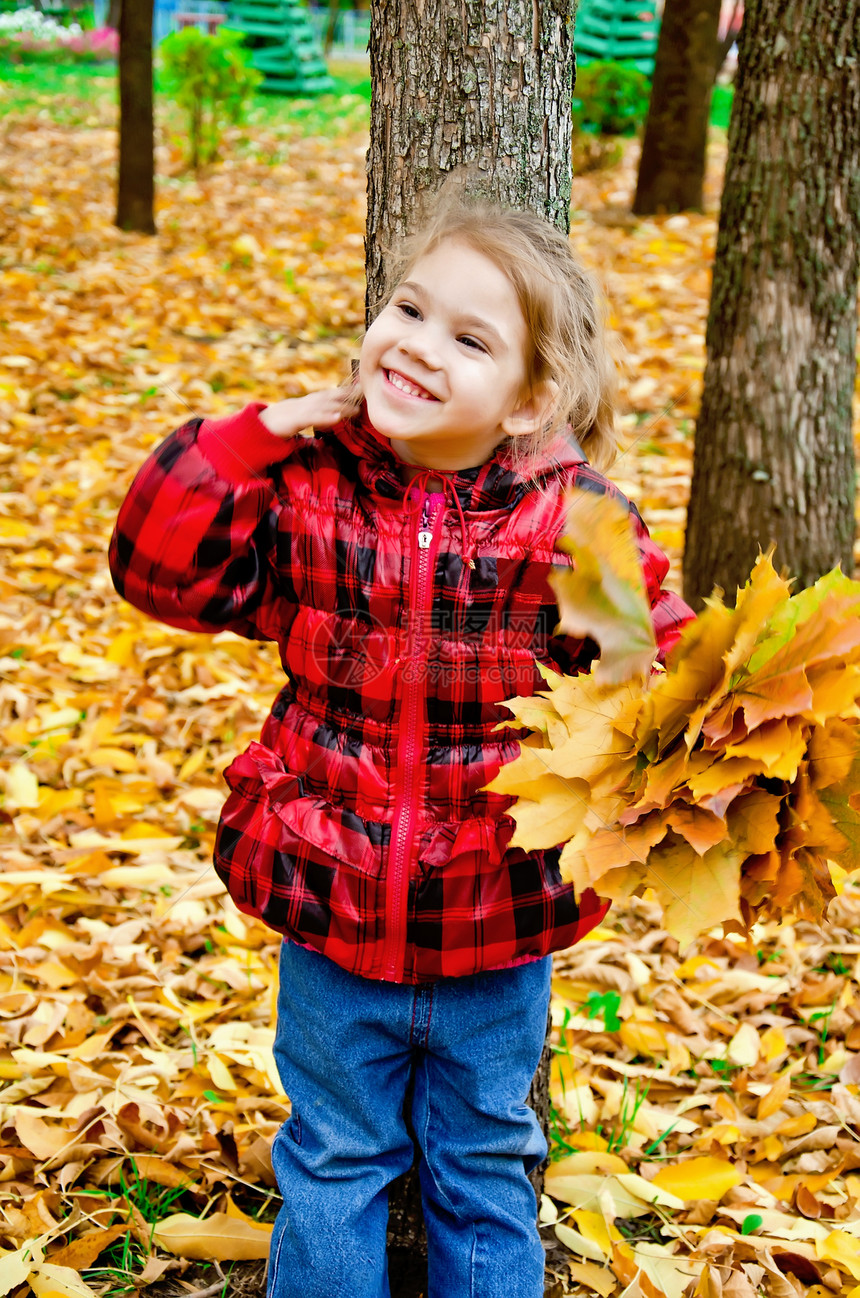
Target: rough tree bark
488,84
672,165
774,460
482,82
136,183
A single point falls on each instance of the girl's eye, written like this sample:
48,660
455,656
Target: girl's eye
474,343
407,309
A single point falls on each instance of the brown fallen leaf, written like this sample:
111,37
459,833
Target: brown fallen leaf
701,1213
219,1237
151,1168
710,1283
597,1278
790,1263
779,1285
83,1251
738,1285
849,1073
154,1268
773,1100
806,1203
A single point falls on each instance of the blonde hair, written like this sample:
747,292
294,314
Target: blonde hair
560,304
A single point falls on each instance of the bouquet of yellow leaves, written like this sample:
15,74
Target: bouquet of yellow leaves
727,783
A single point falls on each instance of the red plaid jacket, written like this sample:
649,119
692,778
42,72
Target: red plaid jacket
360,825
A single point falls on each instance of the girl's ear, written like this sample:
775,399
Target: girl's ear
534,412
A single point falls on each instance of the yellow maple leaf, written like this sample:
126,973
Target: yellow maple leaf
714,777
756,601
695,670
662,778
779,745
835,691
551,817
22,787
539,713
701,828
586,859
525,776
779,685
644,1037
696,892
837,802
753,821
832,750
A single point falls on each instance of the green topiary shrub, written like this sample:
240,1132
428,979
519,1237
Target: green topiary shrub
610,99
211,78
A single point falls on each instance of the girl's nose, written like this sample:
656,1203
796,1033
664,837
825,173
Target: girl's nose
423,345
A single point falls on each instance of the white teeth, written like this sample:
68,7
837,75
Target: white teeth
403,385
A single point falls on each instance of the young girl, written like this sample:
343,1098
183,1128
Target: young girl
400,558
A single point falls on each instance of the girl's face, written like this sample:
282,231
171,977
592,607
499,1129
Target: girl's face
443,366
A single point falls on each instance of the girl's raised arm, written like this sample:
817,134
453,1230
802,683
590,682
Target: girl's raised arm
195,539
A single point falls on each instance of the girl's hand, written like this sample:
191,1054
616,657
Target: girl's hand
320,409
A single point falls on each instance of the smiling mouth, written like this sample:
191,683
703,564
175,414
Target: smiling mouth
407,387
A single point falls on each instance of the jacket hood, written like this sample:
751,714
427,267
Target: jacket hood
497,484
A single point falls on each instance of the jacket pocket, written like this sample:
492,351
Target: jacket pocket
476,844
462,903
302,865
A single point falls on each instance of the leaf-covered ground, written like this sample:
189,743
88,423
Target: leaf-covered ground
706,1106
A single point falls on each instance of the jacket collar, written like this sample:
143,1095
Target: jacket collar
494,485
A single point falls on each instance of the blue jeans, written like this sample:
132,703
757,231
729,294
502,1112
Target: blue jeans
346,1049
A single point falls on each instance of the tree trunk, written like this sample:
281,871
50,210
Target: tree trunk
672,166
331,26
774,460
136,186
487,84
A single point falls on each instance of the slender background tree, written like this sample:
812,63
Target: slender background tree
135,208
672,165
774,458
487,85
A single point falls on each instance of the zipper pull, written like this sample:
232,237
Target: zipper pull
425,536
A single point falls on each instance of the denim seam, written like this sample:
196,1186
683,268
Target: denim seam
273,1266
425,1146
412,1024
429,1017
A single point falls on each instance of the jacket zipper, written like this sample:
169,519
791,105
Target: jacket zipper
410,742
